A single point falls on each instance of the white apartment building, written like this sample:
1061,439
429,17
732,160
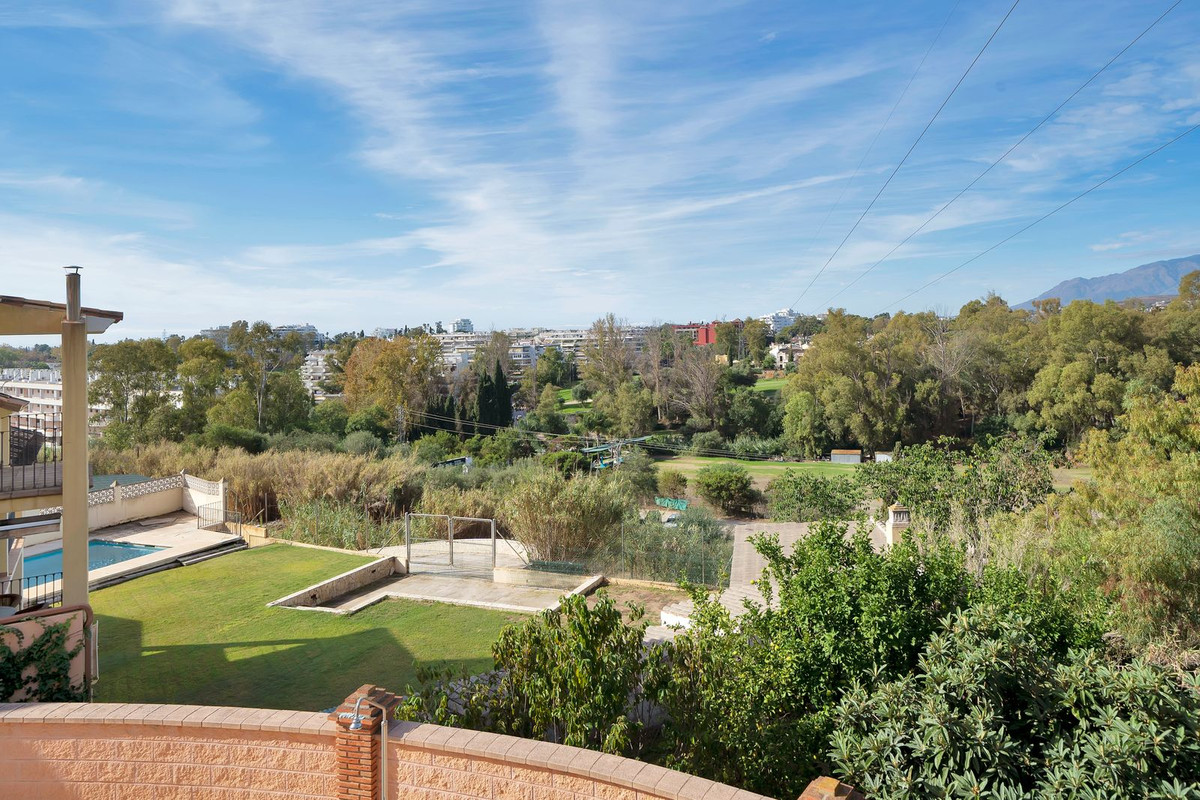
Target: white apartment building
779,319
314,371
42,390
462,325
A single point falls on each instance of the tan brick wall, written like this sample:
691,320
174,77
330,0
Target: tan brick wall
128,752
124,751
427,762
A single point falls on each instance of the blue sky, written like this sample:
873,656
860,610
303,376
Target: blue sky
368,164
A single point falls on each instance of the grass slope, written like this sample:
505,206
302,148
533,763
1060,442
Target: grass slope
690,465
769,384
203,634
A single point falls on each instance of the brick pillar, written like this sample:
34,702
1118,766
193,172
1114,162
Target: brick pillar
830,789
358,757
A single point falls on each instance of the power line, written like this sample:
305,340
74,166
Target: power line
1006,154
1045,216
921,136
841,194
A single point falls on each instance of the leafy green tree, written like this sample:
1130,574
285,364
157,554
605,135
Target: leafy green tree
260,351
236,409
374,420
288,403
546,417
749,701
132,378
798,496
608,357
567,676
804,425
989,711
330,417
204,375
632,409
726,486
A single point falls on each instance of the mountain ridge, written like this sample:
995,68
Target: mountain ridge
1155,278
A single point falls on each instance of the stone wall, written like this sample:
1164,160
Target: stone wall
61,750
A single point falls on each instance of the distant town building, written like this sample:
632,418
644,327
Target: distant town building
313,339
385,333
462,325
786,353
41,390
703,333
779,319
315,371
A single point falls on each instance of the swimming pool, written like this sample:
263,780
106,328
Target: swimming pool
100,554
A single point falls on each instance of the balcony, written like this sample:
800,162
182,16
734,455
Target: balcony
30,456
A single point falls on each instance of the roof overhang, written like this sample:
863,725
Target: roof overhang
20,316
10,404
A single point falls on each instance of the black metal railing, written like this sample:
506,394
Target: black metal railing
32,453
32,593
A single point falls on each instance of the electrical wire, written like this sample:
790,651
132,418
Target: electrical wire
1006,153
911,148
1044,217
870,147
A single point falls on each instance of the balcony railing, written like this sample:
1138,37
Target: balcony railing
31,455
18,595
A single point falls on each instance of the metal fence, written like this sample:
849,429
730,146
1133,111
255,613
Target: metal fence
32,449
215,517
32,593
444,543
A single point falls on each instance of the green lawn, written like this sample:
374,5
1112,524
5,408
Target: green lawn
769,384
690,465
203,634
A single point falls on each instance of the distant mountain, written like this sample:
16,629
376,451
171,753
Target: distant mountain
1159,278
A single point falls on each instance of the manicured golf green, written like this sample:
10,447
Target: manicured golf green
203,634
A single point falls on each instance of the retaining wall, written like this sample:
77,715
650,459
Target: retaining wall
76,750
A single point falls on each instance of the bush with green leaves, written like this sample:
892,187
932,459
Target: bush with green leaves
218,435
568,676
728,487
991,711
749,701
672,483
705,443
696,547
362,443
801,496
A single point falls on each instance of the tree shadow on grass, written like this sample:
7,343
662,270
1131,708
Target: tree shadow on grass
306,674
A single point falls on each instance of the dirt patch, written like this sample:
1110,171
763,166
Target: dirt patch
653,598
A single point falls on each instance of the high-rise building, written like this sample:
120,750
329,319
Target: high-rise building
462,325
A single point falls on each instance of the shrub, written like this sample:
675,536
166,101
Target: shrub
799,496
704,442
580,392
567,462
330,417
362,443
303,440
672,483
219,435
374,420
748,445
337,525
749,701
990,711
568,676
437,446
727,486
696,548
561,519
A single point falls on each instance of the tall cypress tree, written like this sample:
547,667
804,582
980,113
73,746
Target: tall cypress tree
485,402
503,397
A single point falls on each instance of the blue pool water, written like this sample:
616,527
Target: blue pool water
100,554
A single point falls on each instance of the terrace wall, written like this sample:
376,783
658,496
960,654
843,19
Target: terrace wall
60,750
